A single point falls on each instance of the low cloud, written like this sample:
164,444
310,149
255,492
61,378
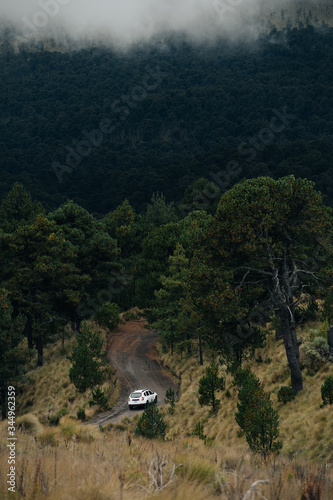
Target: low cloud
131,20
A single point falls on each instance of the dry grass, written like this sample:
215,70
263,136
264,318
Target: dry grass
74,461
107,467
30,424
48,389
304,427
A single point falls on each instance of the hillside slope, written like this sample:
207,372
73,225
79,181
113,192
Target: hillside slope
90,463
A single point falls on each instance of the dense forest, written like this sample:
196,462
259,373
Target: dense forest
98,125
179,191
203,279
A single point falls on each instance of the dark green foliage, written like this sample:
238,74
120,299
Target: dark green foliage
37,268
241,376
327,391
263,428
153,261
18,209
249,393
81,414
208,385
257,418
96,256
62,412
151,424
12,352
159,212
247,269
88,359
228,394
130,316
171,138
308,313
167,315
199,431
108,316
54,420
99,398
286,394
170,399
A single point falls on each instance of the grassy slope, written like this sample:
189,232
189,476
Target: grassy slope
47,389
77,461
305,429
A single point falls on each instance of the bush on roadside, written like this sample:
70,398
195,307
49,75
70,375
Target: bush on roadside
99,398
108,316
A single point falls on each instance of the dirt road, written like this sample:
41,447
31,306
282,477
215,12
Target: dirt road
131,353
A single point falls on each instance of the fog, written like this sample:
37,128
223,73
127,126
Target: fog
130,20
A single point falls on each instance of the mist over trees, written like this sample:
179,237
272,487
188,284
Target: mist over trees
205,105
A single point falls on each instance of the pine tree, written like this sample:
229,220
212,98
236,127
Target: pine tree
12,353
151,424
108,316
88,359
18,209
327,391
170,399
168,313
256,416
208,385
37,270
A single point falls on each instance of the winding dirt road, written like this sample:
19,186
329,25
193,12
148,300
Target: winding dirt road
131,353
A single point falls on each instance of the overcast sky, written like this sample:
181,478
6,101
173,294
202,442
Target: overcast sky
132,19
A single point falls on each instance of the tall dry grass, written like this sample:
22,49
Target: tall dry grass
87,464
48,389
72,461
305,428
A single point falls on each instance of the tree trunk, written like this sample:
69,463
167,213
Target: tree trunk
78,321
73,322
28,332
3,403
200,350
278,332
291,347
213,399
189,345
330,338
39,345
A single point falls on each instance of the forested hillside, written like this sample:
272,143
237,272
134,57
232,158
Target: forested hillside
170,201
164,115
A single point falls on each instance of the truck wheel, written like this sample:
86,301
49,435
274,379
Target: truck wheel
155,401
